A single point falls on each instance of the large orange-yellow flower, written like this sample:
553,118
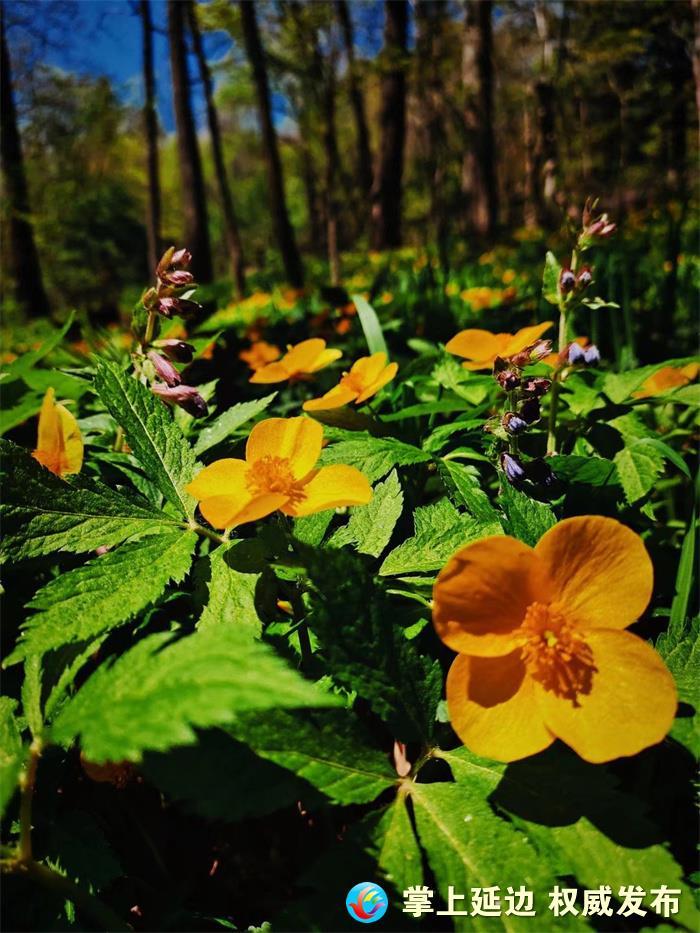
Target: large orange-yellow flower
667,378
260,354
59,444
542,649
366,377
480,347
306,357
279,472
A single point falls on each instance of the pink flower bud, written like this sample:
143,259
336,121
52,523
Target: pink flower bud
176,350
186,397
179,278
181,258
164,369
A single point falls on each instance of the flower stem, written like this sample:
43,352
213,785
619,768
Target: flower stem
150,329
554,400
206,532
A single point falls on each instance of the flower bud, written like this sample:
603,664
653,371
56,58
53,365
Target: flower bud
513,468
186,397
575,354
536,386
529,410
591,355
176,350
508,379
178,278
164,369
567,281
584,278
531,354
513,423
539,472
181,258
172,259
600,229
181,306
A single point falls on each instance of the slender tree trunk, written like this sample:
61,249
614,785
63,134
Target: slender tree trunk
696,52
283,227
546,152
150,122
193,193
364,153
386,188
28,284
233,237
479,167
330,145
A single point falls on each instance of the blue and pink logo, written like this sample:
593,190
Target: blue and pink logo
366,902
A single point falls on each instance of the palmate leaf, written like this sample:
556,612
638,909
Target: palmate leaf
11,752
371,526
157,442
229,421
328,748
374,456
43,514
154,696
106,592
578,818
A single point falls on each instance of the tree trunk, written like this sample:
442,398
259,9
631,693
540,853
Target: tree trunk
546,152
364,153
696,52
233,237
479,166
28,285
386,188
278,205
150,122
193,194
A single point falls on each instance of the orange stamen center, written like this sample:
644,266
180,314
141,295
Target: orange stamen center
353,381
555,653
274,475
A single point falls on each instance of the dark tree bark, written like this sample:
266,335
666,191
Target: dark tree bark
386,188
150,121
364,152
193,193
278,204
330,145
479,182
233,237
28,284
546,154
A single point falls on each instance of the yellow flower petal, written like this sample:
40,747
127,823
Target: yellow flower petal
229,511
477,344
221,478
273,372
493,709
369,368
600,571
630,705
301,357
386,376
331,487
324,359
297,440
59,442
72,442
481,596
335,398
525,337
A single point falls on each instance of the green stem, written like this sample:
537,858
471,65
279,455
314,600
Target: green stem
150,329
554,398
26,783
206,532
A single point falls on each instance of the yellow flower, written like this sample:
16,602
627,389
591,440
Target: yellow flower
481,347
279,472
542,649
366,377
306,357
260,354
59,444
667,378
508,276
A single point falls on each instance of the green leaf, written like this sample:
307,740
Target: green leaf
638,466
681,652
27,361
395,847
550,279
229,421
450,374
155,439
463,488
327,748
374,456
31,695
154,696
365,649
311,529
371,526
526,518
370,325
106,592
44,514
11,752
11,416
591,471
620,386
684,578
440,531
231,591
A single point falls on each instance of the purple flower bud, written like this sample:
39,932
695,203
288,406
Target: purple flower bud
176,350
531,354
181,258
508,379
164,369
181,306
575,354
179,278
601,229
591,355
584,278
567,281
166,306
539,472
530,410
536,386
186,397
513,468
513,424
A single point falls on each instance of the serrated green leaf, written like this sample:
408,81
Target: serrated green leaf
311,529
44,514
591,471
371,526
327,748
550,279
229,421
637,468
374,456
106,592
464,489
11,752
231,591
526,518
440,531
450,374
31,695
157,442
370,325
154,696
395,847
